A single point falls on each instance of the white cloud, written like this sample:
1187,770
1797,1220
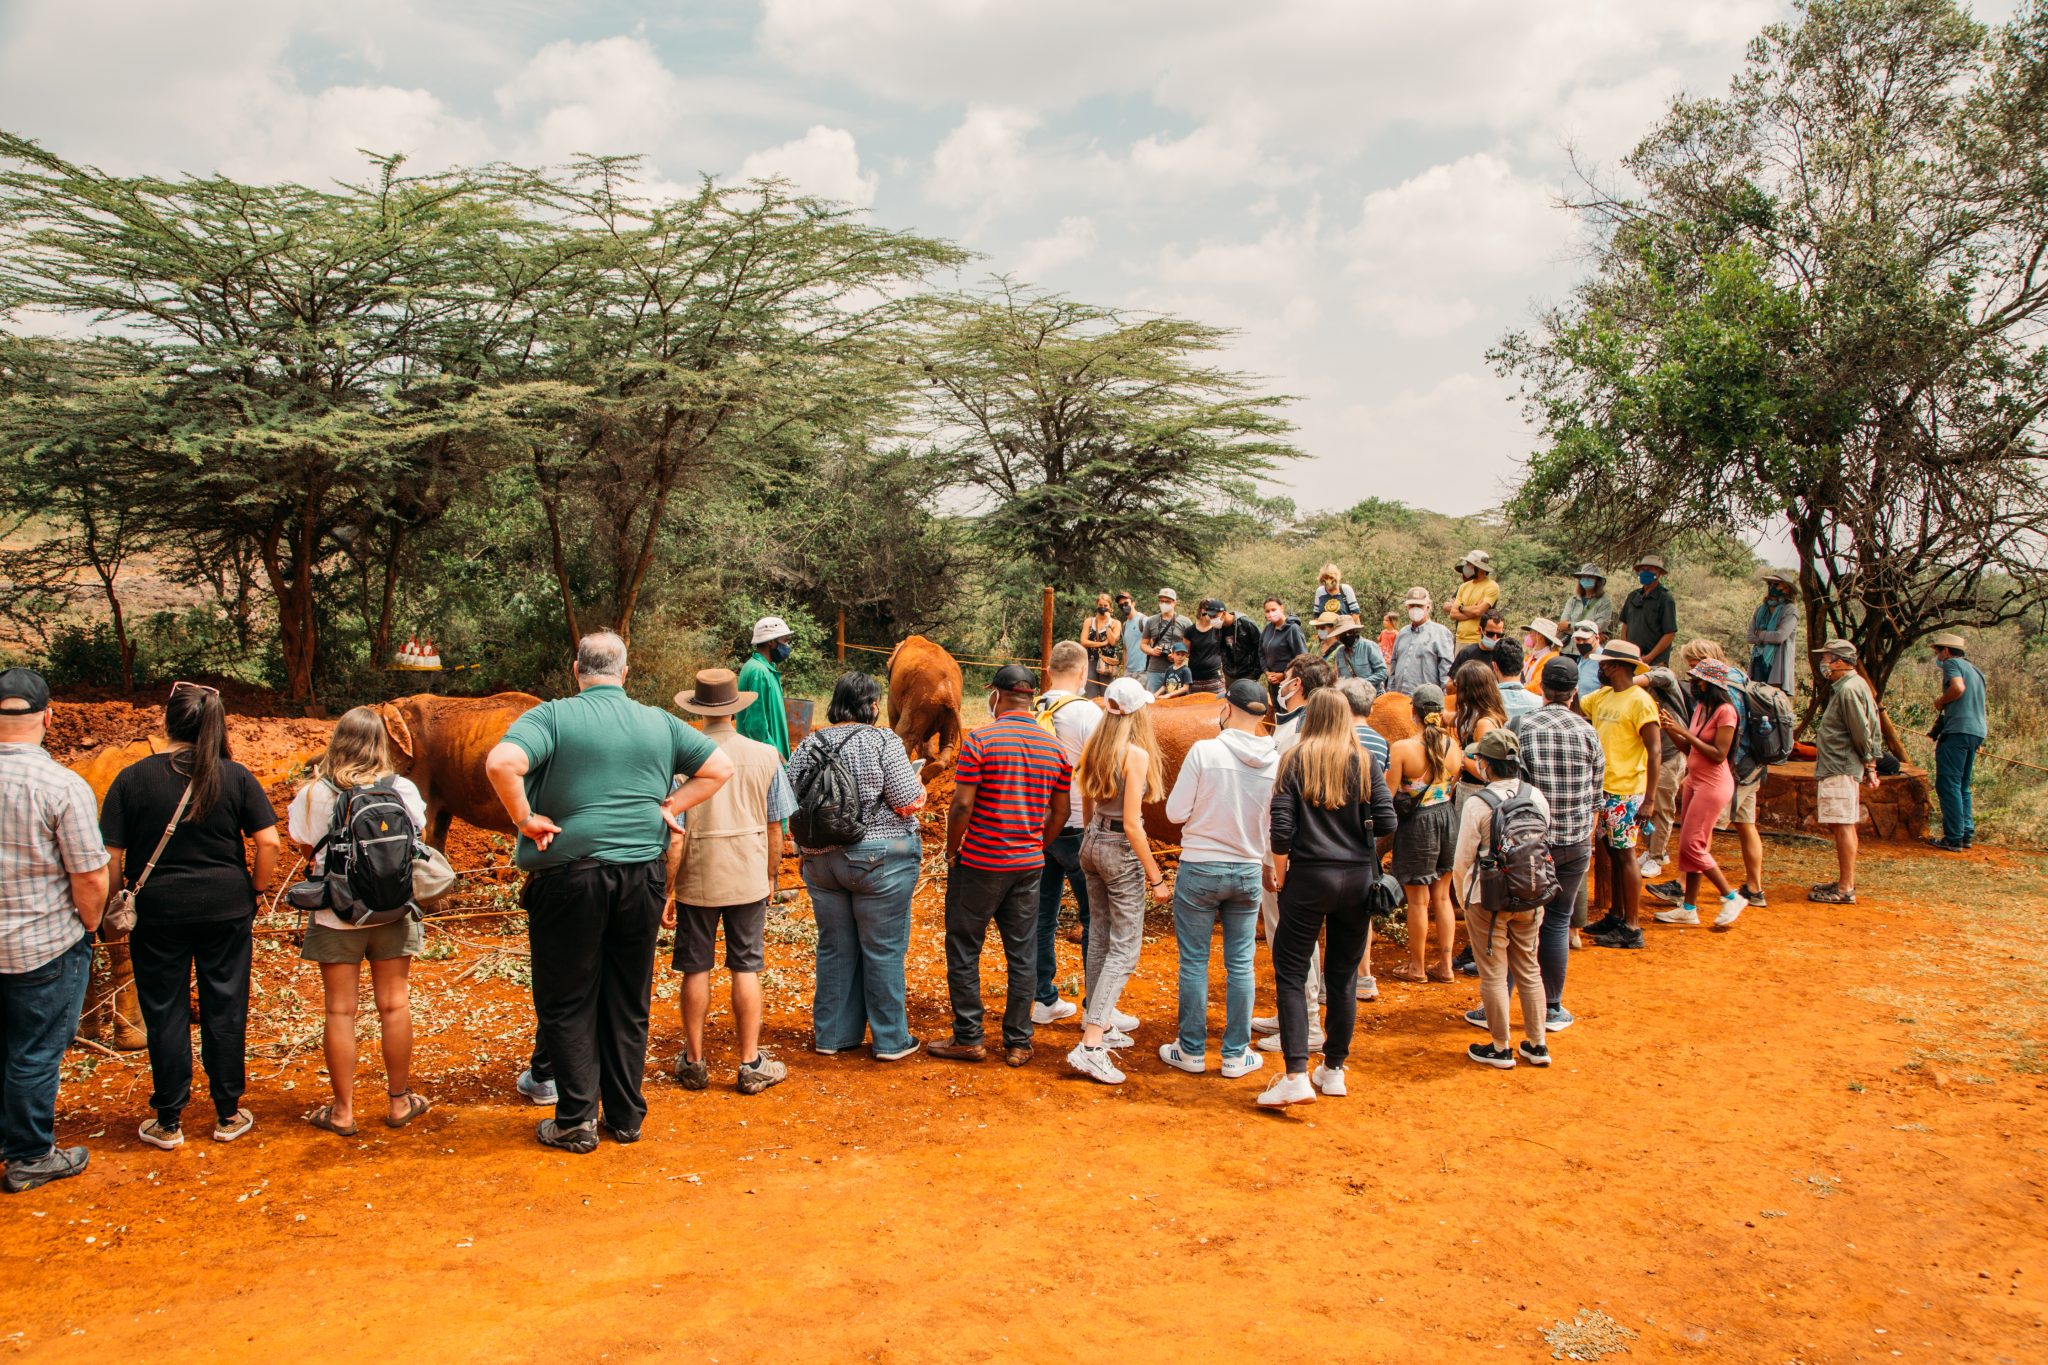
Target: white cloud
983,161
1455,445
824,162
613,96
1073,240
1429,251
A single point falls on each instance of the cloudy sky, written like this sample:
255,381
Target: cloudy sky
1365,189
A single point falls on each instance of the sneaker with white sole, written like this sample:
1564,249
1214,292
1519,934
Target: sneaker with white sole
1649,867
899,1056
1477,1018
1732,906
1243,1064
1053,1013
1532,1053
156,1135
1329,1080
1289,1089
1669,893
540,1092
759,1074
1558,1019
1265,1023
233,1126
1486,1054
1271,1043
1171,1054
1368,989
1115,1038
1126,1023
1095,1064
1684,914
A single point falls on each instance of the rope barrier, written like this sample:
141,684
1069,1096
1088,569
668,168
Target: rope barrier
997,662
1986,753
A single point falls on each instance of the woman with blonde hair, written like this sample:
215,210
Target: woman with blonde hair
1333,591
1329,813
359,754
1120,771
1422,770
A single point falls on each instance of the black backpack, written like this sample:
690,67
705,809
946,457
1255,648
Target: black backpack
1516,872
370,847
828,802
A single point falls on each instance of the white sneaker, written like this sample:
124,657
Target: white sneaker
1271,1043
1243,1064
1288,1090
1265,1023
1329,1080
1649,867
1128,1023
1053,1013
1732,906
1116,1038
1171,1054
1684,914
1368,989
1094,1063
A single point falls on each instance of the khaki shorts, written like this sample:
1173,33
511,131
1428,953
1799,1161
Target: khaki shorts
400,938
1837,801
1742,806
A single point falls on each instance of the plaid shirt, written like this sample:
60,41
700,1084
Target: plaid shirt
880,770
1561,754
49,829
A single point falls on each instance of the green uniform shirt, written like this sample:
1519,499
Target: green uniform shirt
765,720
599,765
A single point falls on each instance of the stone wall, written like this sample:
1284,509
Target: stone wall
1898,810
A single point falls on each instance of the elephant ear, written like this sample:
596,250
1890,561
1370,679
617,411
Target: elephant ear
396,728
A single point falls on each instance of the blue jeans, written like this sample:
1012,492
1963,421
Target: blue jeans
38,1016
1202,894
1955,762
861,896
1062,869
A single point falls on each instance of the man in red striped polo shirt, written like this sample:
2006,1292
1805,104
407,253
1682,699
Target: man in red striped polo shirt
1009,797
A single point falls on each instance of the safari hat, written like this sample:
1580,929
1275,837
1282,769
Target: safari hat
1545,627
1844,650
771,628
1479,560
717,693
1948,639
1125,696
1345,626
1622,652
1591,571
1650,562
1783,576
1418,597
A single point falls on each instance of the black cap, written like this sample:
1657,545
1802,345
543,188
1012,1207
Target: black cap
1560,675
26,685
1247,696
1212,606
1015,678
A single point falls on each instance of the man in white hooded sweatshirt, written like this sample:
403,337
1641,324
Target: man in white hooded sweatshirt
1221,802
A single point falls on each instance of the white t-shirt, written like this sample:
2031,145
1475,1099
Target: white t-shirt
1072,725
312,810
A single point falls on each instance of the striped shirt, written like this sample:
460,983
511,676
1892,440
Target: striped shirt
1561,754
1016,766
49,829
1375,743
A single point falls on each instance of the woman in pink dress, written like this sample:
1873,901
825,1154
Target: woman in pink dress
1709,784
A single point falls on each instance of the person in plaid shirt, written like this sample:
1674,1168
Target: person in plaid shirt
1561,755
53,888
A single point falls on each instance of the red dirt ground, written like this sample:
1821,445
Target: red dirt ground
1749,1150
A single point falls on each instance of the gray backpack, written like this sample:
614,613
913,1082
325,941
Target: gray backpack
1516,872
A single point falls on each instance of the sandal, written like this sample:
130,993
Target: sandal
415,1105
1404,972
1440,976
323,1119
1831,895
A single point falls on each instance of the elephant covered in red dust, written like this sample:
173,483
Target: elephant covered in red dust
441,742
924,703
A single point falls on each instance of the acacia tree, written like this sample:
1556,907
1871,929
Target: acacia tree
1099,444
1820,315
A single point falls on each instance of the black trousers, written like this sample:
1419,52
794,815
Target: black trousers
1316,896
592,927
167,957
973,898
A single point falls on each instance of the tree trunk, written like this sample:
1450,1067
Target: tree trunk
295,619
558,557
380,650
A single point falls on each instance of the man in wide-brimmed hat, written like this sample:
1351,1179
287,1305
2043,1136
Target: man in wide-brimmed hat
1423,649
1589,600
1477,591
1349,650
1959,727
1772,629
1625,717
1649,615
1847,744
732,853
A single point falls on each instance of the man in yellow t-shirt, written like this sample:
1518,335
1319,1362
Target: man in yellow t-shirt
1476,592
1625,715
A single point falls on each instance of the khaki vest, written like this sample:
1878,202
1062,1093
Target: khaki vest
725,854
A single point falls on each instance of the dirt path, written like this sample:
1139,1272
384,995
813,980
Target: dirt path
1818,1138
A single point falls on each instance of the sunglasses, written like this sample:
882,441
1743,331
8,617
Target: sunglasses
178,687
1494,634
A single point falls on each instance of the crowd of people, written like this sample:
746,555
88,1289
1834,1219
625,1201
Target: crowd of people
1573,763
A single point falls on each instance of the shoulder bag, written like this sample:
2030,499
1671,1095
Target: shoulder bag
120,916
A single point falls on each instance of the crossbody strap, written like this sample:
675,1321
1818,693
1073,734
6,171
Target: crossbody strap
169,830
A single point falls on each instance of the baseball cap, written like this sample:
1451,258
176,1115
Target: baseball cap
1176,646
1560,675
1126,695
1168,595
1428,697
1586,630
1014,678
1247,696
1499,742
770,628
1212,606
1417,597
1841,649
24,685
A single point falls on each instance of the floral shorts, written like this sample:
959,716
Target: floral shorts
1618,818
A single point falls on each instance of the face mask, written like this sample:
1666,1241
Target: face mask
1645,577
1487,642
1125,608
1586,650
1531,643
1290,694
1276,617
1417,614
1464,571
1587,583
780,652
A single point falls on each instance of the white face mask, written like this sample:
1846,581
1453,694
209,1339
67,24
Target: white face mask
1290,694
1417,614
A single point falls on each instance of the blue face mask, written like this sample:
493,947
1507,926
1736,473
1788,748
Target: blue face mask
780,651
1587,583
1645,577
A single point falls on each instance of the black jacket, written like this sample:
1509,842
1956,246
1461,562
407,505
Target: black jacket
1241,649
1343,835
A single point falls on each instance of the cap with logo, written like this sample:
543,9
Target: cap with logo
1212,606
1168,595
1586,630
1417,597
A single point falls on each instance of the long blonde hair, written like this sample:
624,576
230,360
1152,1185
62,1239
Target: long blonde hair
1439,748
1328,753
1102,761
359,751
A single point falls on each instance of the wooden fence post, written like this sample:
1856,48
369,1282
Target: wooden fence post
840,634
1045,633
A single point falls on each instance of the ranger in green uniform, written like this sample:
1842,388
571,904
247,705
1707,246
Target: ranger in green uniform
761,674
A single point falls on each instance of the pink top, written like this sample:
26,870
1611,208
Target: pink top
1705,726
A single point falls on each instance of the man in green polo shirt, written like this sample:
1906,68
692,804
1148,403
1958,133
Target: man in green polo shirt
590,783
767,720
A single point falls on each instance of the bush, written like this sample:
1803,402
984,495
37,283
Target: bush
85,656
